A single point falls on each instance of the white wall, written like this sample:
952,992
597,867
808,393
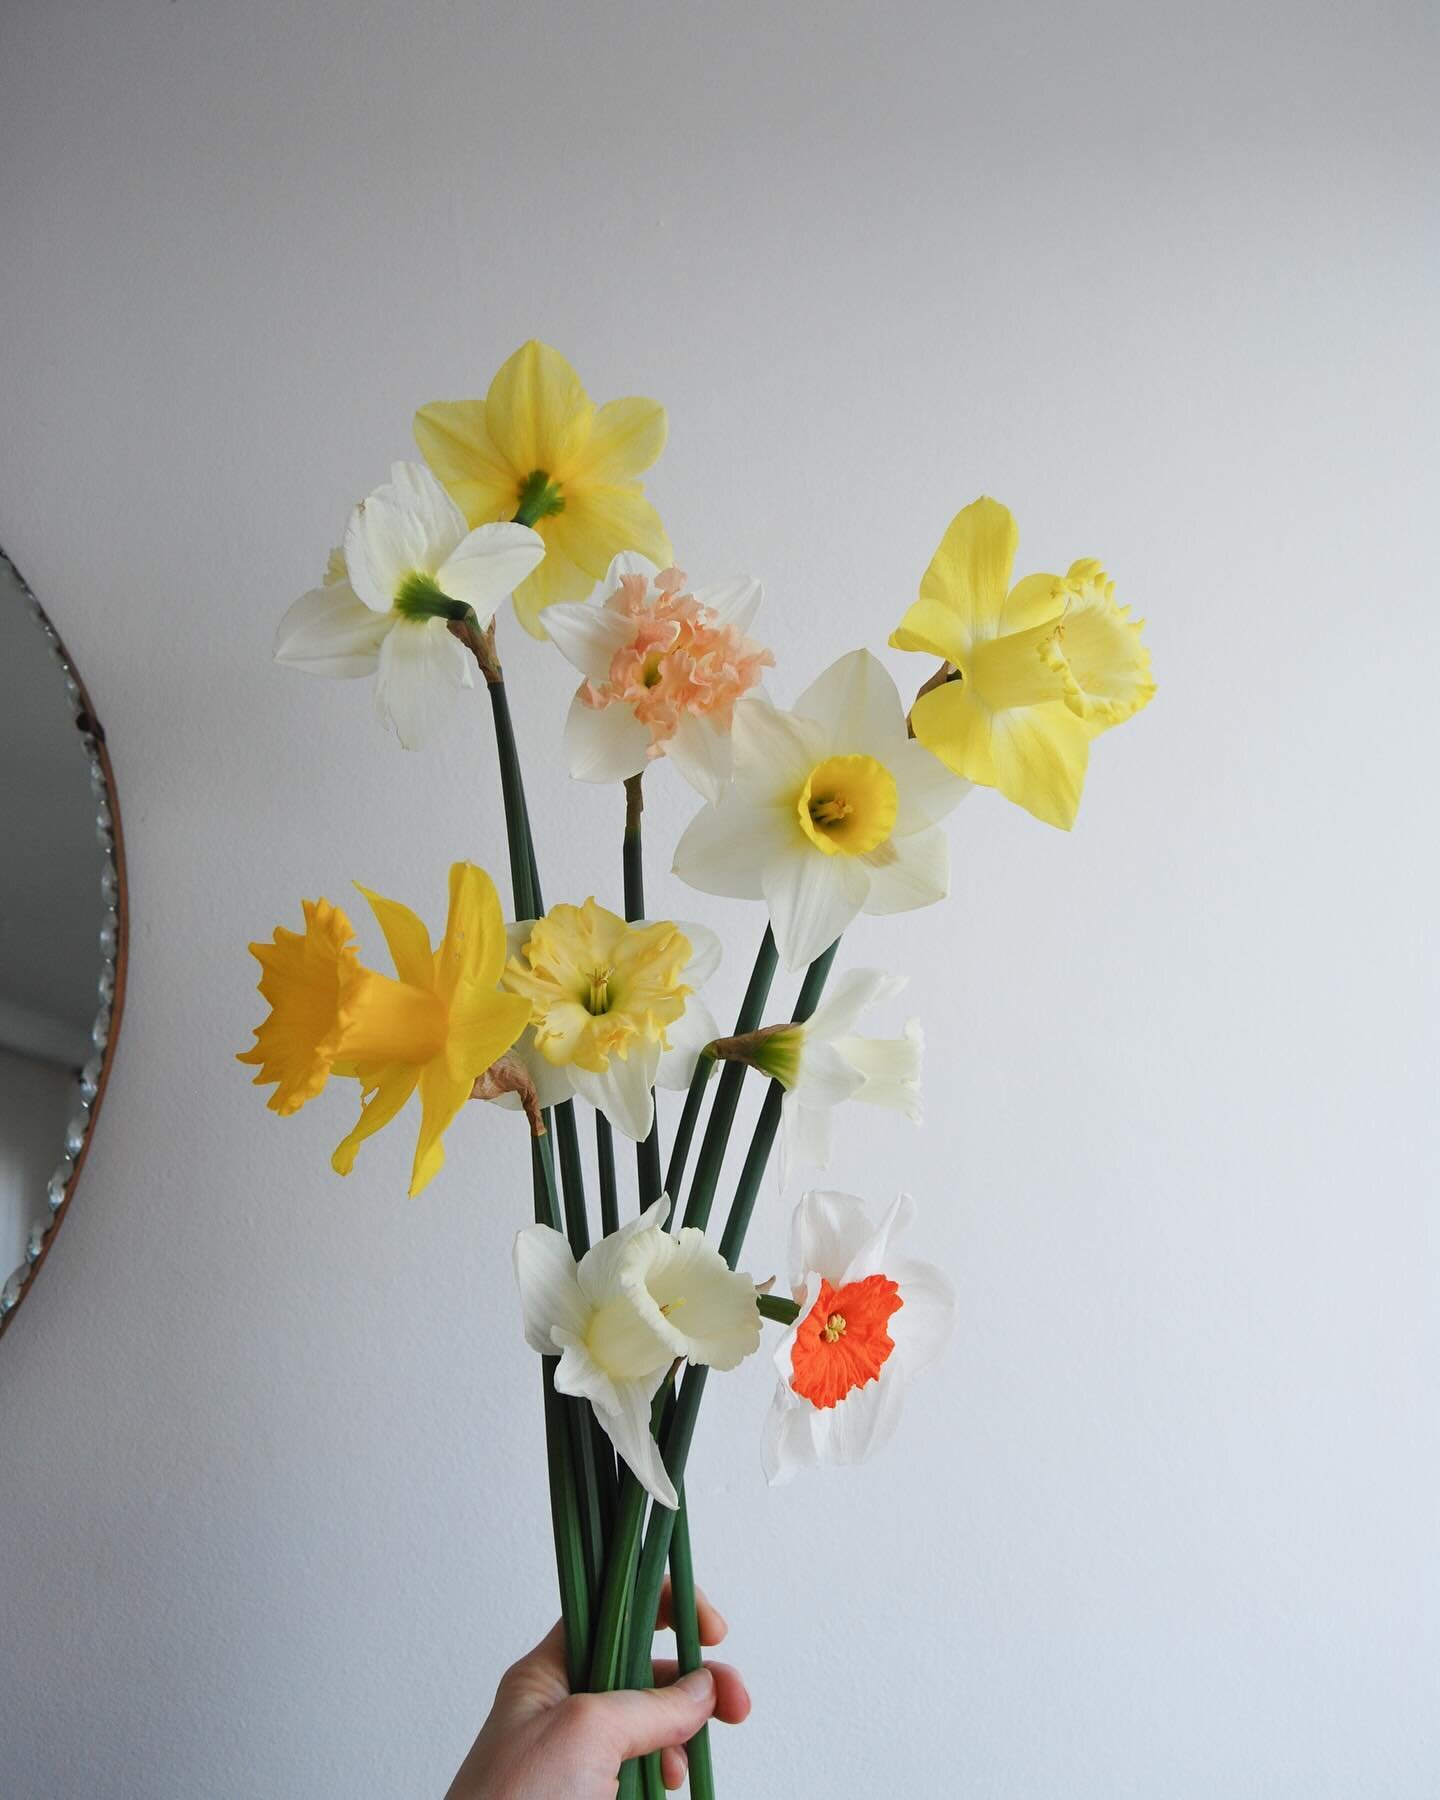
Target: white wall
1161,277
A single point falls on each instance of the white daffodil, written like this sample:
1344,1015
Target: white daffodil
409,567
869,1320
619,1319
821,1062
614,1007
664,667
833,810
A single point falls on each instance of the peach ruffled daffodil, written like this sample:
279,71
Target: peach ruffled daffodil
437,1025
536,448
833,810
621,1317
663,667
870,1319
821,1062
614,1010
1031,673
409,569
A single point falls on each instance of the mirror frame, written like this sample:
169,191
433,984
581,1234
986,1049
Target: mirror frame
113,946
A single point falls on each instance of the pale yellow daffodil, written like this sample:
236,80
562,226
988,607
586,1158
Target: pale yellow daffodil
538,449
1039,669
438,1027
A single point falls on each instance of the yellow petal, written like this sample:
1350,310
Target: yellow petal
441,1097
472,952
407,937
1020,668
970,573
557,578
304,978
393,1087
483,1026
599,522
950,724
1106,665
627,437
1032,601
932,628
537,412
455,441
1040,755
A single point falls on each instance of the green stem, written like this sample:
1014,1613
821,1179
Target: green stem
647,1153
727,1091
687,1645
776,1307
523,885
605,1162
685,1132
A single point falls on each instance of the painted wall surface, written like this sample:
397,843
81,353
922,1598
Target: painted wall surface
1161,277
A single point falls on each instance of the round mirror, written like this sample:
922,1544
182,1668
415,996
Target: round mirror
62,932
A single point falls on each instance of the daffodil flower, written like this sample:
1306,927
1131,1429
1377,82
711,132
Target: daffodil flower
820,1063
536,448
869,1321
664,667
409,568
614,1008
619,1319
1031,673
437,1025
833,810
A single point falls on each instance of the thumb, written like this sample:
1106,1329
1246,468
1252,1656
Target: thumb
636,1721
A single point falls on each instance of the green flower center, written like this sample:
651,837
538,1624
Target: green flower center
539,498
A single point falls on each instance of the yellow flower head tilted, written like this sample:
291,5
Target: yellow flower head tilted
437,1027
1039,668
538,449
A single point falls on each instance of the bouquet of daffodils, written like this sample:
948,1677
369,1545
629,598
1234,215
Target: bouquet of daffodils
819,811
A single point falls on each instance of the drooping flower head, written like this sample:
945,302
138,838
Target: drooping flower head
833,810
664,667
635,1303
409,567
869,1320
1031,673
821,1062
436,1025
613,1008
537,448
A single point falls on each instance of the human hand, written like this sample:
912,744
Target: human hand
541,1742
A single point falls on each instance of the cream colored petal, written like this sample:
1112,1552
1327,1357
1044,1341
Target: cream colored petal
812,898
908,872
549,1293
603,743
858,705
331,631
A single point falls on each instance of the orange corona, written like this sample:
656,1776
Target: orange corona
844,1340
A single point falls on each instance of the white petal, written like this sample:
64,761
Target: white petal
827,1232
774,751
858,705
787,1443
488,564
422,669
549,1293
825,1078
865,1420
806,1136
875,1255
331,631
846,998
598,1273
629,1431
413,486
628,562
890,1068
552,1080
733,602
708,1308
622,1093
700,751
588,636
927,791
812,898
725,848
603,743
906,872
925,1322
688,1037
705,952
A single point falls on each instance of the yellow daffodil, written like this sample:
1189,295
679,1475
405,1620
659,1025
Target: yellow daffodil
537,449
613,1007
1033,672
438,1027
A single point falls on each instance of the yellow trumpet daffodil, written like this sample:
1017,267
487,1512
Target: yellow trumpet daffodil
437,1025
1033,672
537,449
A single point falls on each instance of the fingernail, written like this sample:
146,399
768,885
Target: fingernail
699,1684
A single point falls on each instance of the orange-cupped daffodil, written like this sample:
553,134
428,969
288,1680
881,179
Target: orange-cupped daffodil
1032,672
538,449
436,1025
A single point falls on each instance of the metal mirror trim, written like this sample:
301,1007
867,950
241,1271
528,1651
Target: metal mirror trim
53,1202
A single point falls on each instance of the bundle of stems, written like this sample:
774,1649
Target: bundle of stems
611,1563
